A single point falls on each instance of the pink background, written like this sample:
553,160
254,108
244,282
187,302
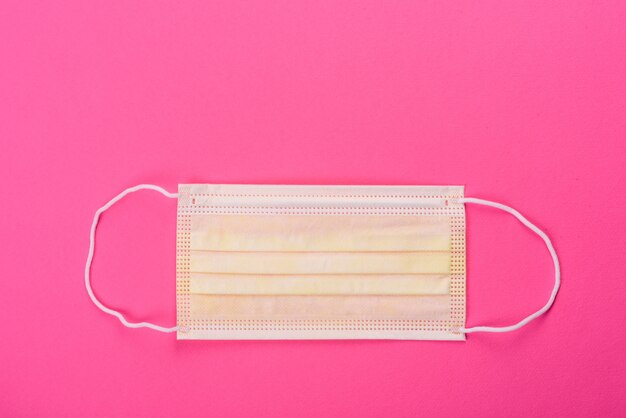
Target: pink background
522,102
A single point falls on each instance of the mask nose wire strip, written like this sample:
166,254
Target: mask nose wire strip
92,238
555,259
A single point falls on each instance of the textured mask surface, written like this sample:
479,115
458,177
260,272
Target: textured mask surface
320,262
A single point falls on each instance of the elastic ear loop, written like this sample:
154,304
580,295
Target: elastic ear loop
555,259
92,238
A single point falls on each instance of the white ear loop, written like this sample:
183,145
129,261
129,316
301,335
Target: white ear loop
92,238
555,259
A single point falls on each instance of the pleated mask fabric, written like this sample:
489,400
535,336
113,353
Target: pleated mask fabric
320,262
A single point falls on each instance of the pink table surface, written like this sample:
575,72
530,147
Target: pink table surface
522,102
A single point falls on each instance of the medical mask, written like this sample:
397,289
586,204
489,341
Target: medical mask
320,262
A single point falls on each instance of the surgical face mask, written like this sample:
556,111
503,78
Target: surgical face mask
320,262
